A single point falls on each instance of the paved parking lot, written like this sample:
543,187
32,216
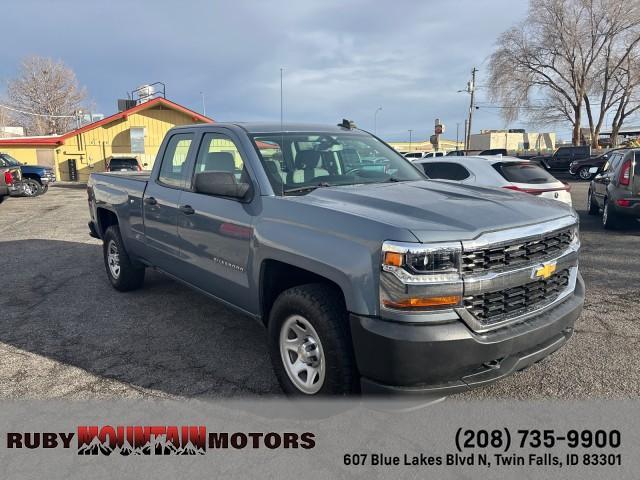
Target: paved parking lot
65,333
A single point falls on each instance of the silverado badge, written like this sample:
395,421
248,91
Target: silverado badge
544,271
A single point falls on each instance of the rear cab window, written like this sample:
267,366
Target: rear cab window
523,172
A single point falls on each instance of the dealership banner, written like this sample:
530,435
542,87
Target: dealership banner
282,439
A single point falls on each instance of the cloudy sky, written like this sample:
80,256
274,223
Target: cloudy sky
340,58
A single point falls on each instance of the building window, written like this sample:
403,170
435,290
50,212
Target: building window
137,139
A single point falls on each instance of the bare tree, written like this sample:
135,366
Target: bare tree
628,104
47,93
547,66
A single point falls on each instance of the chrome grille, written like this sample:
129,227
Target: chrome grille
517,253
498,306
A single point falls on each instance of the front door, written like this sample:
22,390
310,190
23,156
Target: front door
216,232
161,203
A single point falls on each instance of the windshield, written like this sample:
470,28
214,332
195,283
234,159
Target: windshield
300,162
9,161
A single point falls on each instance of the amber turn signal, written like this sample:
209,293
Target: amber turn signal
422,302
394,259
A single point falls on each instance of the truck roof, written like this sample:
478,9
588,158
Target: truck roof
276,127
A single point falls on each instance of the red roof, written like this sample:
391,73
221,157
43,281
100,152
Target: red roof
59,139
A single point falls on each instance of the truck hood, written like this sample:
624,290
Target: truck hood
35,167
436,210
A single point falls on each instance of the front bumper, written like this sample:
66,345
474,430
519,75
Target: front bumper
442,359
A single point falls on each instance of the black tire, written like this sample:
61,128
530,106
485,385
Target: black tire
585,174
322,306
32,187
45,189
130,276
592,205
610,219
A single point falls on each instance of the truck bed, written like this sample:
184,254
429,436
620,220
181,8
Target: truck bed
138,176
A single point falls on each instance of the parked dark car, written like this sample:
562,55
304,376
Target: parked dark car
123,164
563,156
615,189
35,178
581,168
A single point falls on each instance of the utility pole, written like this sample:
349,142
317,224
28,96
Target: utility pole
471,88
375,121
457,135
410,132
466,121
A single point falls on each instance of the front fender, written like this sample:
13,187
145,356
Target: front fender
348,262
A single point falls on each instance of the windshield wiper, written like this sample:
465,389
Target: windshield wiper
306,188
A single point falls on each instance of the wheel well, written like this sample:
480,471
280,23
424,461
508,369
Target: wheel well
33,176
276,277
106,218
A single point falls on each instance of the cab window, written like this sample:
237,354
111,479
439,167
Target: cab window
173,171
219,153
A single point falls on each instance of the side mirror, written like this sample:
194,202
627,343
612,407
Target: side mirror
221,184
594,170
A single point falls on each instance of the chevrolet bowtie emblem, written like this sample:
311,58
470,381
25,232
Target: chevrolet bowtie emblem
545,271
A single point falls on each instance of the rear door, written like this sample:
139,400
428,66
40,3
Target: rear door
603,179
161,199
216,232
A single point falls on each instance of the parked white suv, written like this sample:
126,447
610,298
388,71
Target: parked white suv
413,156
497,171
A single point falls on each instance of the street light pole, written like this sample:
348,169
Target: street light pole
375,121
410,132
204,109
457,135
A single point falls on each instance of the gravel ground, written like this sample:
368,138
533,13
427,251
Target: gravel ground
65,333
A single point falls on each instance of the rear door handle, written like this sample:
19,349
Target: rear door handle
187,209
150,201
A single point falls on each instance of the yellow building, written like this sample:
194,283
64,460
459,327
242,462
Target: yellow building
137,132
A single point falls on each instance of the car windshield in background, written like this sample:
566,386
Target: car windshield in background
9,161
123,163
300,162
523,172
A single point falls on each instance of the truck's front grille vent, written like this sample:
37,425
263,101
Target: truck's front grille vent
517,253
494,307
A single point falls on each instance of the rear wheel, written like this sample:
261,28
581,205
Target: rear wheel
584,173
310,344
32,188
123,274
592,205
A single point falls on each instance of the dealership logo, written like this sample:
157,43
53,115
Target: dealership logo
157,440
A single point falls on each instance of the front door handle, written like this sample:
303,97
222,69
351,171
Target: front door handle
150,201
187,209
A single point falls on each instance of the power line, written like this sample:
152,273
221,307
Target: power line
36,114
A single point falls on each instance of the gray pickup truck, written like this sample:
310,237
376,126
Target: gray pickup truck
368,276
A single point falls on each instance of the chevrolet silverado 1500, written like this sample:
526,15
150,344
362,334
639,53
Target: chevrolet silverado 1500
368,276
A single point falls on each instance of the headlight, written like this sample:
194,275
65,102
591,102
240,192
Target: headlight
420,276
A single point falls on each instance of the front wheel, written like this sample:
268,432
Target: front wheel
610,219
310,343
592,205
123,274
32,188
584,173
